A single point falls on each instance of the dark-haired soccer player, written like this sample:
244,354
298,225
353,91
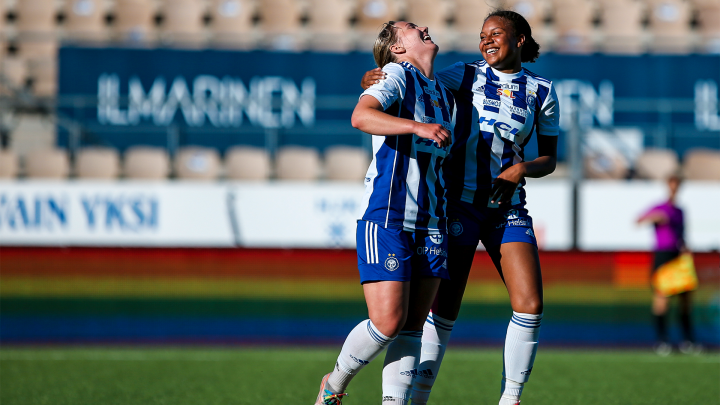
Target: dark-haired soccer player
500,105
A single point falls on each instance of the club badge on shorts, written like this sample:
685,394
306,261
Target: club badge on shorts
392,263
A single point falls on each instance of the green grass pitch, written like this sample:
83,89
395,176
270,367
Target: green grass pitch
288,376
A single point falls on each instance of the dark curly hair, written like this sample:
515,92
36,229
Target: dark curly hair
531,49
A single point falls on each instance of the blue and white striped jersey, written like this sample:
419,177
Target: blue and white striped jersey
497,114
404,186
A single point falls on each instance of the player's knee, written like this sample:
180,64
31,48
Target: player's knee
389,326
529,305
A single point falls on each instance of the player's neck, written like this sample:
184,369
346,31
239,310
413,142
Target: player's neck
423,63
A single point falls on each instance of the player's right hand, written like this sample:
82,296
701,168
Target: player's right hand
436,132
372,77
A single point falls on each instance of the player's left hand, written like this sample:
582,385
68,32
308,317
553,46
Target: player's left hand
505,184
372,77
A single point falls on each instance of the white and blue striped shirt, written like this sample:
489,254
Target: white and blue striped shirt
497,114
404,186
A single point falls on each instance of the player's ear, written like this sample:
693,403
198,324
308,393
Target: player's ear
520,40
397,49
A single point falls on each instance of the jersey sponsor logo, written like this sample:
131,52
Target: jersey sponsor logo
431,91
456,228
392,263
492,103
431,251
500,125
428,120
519,111
436,239
435,103
510,86
513,222
505,93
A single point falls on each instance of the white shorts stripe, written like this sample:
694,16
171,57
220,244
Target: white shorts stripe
367,243
376,249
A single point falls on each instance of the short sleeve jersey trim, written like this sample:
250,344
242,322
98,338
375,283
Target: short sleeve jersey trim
405,185
497,114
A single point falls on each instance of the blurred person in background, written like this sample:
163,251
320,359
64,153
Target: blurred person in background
500,105
669,223
402,235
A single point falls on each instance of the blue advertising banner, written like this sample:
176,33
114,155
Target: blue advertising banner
168,97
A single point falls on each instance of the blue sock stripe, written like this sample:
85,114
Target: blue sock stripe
375,335
411,333
525,323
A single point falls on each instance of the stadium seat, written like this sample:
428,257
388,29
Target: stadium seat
146,163
329,25
182,22
372,14
85,20
197,163
708,15
135,21
346,163
43,73
656,164
468,21
602,166
231,23
35,17
47,164
280,24
532,10
573,24
15,71
97,163
701,164
247,163
670,26
8,164
297,163
622,31
430,13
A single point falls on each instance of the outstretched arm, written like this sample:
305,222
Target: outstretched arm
369,117
505,184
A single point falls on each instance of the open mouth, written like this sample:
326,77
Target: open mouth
492,51
426,38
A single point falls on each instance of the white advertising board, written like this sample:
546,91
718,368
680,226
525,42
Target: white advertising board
549,203
609,210
120,213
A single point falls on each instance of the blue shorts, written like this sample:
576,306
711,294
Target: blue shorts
468,225
392,254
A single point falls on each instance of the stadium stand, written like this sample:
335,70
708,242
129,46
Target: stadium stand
297,163
573,21
329,25
371,14
197,163
134,21
701,164
280,23
85,20
146,163
708,15
182,22
47,164
8,164
97,163
231,23
622,30
247,163
44,76
467,24
656,164
15,71
430,13
35,28
670,26
533,11
346,163
605,166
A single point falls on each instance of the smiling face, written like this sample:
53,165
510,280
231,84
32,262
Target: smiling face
414,39
499,46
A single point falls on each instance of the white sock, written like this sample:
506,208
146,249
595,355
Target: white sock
401,361
361,346
521,344
436,335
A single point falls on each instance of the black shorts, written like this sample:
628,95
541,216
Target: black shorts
663,256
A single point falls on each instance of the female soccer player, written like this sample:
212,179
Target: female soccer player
669,223
401,237
499,106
